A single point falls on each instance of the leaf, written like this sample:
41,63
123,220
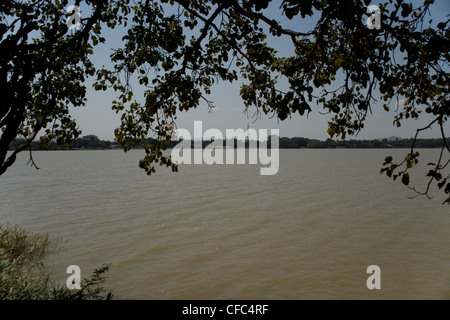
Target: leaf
441,25
396,81
447,188
338,62
316,82
331,132
387,160
405,179
406,9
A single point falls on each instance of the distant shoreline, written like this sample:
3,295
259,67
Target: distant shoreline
93,143
137,149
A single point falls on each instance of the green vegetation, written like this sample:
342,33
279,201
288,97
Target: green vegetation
288,143
23,275
285,143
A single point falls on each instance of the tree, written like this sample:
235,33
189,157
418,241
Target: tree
40,77
316,144
341,65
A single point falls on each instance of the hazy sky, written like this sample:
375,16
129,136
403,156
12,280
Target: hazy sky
97,117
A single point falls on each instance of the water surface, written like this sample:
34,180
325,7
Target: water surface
226,232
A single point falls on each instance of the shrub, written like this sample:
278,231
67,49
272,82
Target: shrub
23,275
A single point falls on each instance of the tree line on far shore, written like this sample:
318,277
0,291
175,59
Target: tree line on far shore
93,142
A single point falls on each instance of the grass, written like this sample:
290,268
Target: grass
23,275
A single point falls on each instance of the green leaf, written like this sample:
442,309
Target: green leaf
331,132
338,62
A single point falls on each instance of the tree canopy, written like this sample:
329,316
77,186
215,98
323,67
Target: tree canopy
178,50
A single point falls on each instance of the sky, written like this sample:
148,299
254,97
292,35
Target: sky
97,117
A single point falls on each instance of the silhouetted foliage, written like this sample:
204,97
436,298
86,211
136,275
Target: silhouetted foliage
284,143
339,65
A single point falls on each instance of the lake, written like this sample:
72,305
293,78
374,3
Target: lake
227,232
